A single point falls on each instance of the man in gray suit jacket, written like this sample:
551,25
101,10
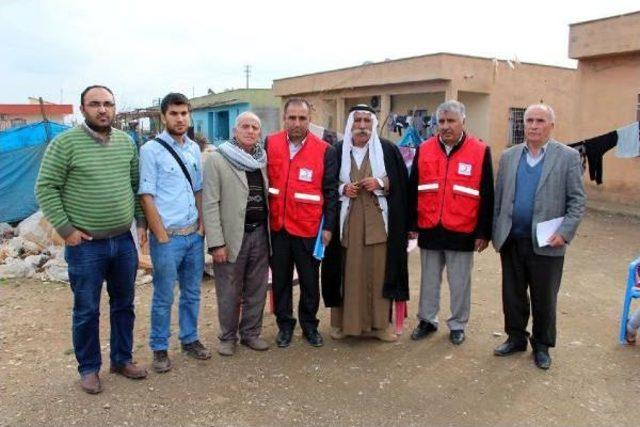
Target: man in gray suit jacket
538,180
234,205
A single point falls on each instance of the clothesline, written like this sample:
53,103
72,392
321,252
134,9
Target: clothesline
626,139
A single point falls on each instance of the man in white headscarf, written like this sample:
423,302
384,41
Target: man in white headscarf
365,267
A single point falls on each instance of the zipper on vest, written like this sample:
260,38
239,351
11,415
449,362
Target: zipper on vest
286,190
444,188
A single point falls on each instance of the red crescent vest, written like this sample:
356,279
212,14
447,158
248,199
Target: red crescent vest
295,186
449,187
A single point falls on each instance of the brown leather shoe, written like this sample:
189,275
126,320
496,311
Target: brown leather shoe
90,383
130,370
161,361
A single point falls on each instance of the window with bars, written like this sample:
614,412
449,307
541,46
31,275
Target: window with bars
516,126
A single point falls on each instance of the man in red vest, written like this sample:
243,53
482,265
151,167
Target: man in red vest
451,204
303,187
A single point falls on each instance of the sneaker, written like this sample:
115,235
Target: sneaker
196,350
161,362
226,348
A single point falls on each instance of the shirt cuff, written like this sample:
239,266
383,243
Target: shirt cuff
147,188
381,182
65,230
341,189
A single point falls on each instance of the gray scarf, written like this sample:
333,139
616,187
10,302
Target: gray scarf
242,160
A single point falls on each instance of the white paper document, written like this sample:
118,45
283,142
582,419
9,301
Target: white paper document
545,230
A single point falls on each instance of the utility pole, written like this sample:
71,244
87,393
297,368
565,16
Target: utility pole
247,71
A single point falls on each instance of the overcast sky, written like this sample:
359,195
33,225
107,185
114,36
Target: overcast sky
145,49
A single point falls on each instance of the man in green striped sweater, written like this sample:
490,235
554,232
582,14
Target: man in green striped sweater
86,189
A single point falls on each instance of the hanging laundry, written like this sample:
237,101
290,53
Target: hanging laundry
595,149
628,141
583,153
391,122
410,139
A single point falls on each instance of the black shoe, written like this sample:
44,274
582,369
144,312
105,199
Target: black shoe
314,338
542,359
509,347
283,339
423,330
196,350
456,336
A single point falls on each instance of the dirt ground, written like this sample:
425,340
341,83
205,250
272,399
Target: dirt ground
593,379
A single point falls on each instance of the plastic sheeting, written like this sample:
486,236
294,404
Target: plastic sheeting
21,151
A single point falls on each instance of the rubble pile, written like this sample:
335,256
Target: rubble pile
33,249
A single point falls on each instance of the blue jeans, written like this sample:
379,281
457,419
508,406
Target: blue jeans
180,259
90,263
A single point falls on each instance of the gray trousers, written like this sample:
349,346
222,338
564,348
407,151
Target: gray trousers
243,283
634,321
459,266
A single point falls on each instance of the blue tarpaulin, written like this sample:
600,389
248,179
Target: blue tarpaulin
21,151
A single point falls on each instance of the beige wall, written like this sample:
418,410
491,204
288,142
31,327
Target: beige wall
478,114
608,90
489,87
609,36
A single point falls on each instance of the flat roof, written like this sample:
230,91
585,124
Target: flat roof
605,18
421,56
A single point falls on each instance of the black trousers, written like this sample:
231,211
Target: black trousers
288,251
521,269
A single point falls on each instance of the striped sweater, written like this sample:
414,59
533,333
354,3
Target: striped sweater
90,186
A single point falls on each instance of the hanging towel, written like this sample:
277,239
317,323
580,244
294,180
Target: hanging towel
628,141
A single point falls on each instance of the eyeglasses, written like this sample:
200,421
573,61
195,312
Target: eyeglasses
97,104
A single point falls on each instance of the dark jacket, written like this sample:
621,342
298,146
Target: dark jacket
396,283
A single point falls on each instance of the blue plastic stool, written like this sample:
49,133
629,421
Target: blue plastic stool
630,293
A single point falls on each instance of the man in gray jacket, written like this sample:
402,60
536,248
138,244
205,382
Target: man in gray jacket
235,215
538,180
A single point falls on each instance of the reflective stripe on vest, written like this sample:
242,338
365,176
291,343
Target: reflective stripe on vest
449,187
295,185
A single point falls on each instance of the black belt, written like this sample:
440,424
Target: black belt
250,228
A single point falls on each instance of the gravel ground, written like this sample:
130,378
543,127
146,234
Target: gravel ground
349,382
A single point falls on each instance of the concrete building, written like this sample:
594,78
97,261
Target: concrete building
495,92
214,115
608,96
15,115
601,95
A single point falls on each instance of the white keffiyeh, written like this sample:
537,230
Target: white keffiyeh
376,157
